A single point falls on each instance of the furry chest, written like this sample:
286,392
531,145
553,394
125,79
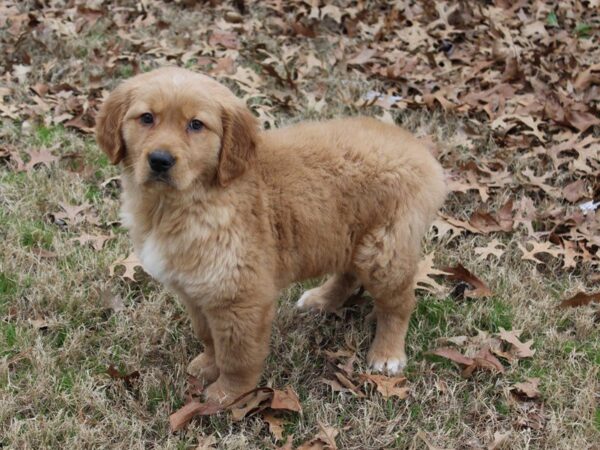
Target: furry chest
202,262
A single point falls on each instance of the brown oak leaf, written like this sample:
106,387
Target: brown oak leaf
286,399
130,263
522,349
388,386
580,299
275,425
459,273
528,388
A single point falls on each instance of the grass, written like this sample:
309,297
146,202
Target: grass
54,388
57,374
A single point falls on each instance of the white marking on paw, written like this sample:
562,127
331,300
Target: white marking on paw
377,365
300,304
392,366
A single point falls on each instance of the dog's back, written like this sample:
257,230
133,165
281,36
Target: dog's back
332,183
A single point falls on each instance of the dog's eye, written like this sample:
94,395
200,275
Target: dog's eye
195,125
147,119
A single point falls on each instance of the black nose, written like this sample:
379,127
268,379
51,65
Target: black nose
160,160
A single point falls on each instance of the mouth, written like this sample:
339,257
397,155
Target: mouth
161,178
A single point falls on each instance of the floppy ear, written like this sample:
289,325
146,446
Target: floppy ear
238,144
109,121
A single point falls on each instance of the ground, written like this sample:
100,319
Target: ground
505,96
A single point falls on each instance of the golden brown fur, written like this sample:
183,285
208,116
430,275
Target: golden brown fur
244,213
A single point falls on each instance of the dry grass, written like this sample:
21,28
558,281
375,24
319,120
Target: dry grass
55,392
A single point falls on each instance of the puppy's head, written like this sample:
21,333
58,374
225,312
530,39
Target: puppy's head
172,127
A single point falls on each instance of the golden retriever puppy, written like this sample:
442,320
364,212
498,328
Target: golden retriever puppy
226,215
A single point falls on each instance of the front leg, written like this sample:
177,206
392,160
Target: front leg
241,331
203,366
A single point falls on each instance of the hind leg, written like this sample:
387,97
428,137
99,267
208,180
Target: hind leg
331,295
386,263
392,312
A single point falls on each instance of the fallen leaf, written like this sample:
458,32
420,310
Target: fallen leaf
224,38
441,386
575,191
127,378
79,124
539,247
387,386
582,120
335,385
487,223
180,418
528,388
580,299
206,442
504,216
494,247
539,182
363,56
459,273
483,360
96,241
425,270
275,425
251,402
460,224
72,213
533,419
334,12
286,399
484,222
500,439
111,301
328,434
443,228
224,65
194,388
587,77
44,157
348,366
456,340
341,353
39,324
523,349
453,355
323,440
130,263
343,384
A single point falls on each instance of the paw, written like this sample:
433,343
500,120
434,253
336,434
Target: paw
305,302
204,368
390,364
313,300
216,394
222,394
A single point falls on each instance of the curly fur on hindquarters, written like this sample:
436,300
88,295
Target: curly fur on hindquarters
244,213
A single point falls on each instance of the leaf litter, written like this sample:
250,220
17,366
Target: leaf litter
506,68
482,351
262,400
